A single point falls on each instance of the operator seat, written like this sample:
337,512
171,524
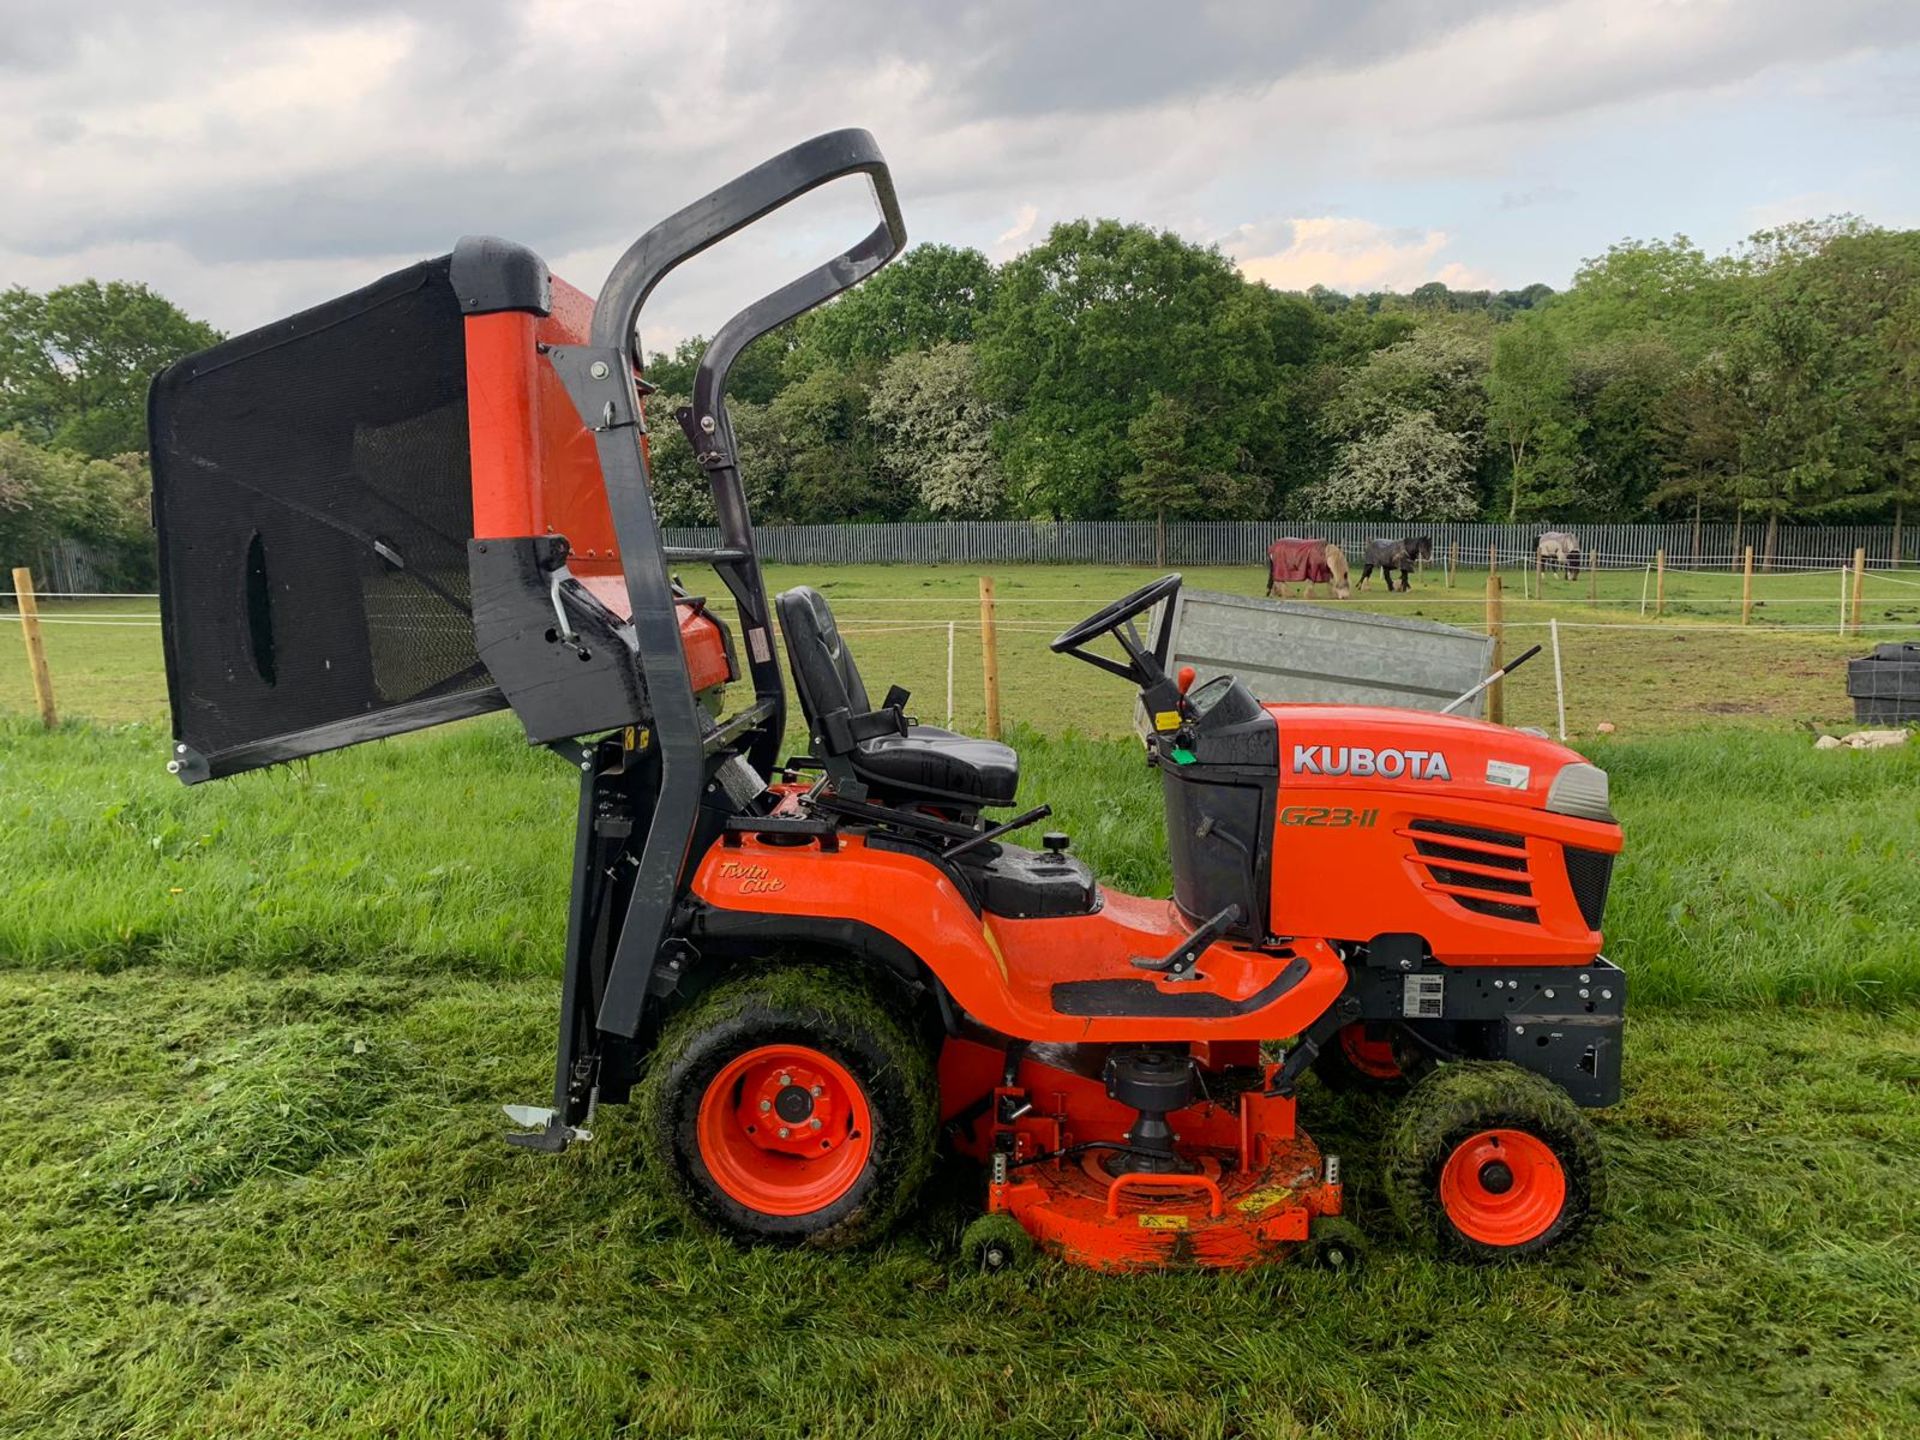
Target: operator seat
879,748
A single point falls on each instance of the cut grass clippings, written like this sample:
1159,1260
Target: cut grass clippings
372,1261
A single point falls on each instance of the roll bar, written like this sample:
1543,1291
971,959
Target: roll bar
600,378
734,206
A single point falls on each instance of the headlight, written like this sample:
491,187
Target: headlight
1580,789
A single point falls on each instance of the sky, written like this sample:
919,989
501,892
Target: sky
249,158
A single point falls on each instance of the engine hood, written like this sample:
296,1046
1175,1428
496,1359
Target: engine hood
1372,749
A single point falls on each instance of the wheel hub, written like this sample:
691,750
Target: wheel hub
784,1129
1503,1187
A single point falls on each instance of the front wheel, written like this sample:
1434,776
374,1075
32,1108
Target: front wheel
1488,1162
791,1107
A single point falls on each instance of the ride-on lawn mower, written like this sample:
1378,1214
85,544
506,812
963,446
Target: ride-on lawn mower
430,499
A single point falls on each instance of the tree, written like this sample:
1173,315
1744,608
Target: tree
1182,473
1410,468
1619,391
682,494
1086,327
51,495
1667,288
756,376
1530,413
937,431
933,294
75,362
1697,424
1440,368
831,462
1795,456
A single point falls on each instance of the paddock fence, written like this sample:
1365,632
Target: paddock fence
1718,546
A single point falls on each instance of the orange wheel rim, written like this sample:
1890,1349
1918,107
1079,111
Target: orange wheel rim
784,1129
1503,1187
1372,1058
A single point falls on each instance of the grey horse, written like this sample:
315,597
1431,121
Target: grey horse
1558,550
1392,555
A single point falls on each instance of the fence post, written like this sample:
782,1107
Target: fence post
1593,580
1453,561
1859,574
1746,589
36,648
1659,583
1493,564
1559,680
1496,627
952,627
989,658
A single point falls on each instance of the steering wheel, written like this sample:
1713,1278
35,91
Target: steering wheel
1117,614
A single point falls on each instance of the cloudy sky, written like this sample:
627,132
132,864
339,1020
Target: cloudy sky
248,158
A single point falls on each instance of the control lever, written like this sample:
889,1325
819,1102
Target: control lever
1039,812
1179,965
1500,674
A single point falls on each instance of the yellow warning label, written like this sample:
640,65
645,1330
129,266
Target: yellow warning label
1163,1222
1166,720
1255,1201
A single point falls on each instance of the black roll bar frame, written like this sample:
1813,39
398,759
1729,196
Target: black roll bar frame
600,378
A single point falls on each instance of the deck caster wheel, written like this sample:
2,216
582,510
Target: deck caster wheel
790,1106
1334,1245
1489,1162
995,1244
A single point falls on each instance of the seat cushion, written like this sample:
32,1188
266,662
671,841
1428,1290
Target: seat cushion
938,763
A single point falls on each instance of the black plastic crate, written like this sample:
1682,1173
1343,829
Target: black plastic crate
1885,686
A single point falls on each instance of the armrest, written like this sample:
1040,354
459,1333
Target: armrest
845,730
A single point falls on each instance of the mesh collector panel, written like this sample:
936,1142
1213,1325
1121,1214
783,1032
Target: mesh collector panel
312,497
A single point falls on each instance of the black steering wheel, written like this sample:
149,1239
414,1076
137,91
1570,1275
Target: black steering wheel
1117,614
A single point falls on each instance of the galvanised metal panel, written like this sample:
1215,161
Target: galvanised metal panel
1289,651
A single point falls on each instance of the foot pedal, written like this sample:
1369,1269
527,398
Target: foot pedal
542,1129
1178,964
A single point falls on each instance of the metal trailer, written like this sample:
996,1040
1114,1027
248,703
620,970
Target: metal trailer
1292,651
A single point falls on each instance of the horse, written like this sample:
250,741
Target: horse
1558,550
1307,563
1392,555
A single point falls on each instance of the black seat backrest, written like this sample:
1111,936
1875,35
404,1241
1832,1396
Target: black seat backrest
823,670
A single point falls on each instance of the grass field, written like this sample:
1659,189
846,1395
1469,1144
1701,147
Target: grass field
1692,666
249,1179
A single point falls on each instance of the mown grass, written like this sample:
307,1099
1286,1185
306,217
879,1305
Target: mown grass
342,1246
250,1180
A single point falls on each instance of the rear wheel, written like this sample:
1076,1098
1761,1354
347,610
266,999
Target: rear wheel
791,1107
1358,1060
1490,1162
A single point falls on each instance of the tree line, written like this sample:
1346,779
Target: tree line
1119,372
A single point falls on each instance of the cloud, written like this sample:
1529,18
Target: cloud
255,158
1342,253
1024,219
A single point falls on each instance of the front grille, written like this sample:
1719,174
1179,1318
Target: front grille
1590,872
1498,908
1455,868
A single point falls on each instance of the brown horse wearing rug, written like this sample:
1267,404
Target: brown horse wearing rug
1307,563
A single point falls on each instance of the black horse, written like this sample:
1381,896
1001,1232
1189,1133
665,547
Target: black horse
1392,555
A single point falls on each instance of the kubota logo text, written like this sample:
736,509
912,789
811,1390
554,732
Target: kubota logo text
1359,760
